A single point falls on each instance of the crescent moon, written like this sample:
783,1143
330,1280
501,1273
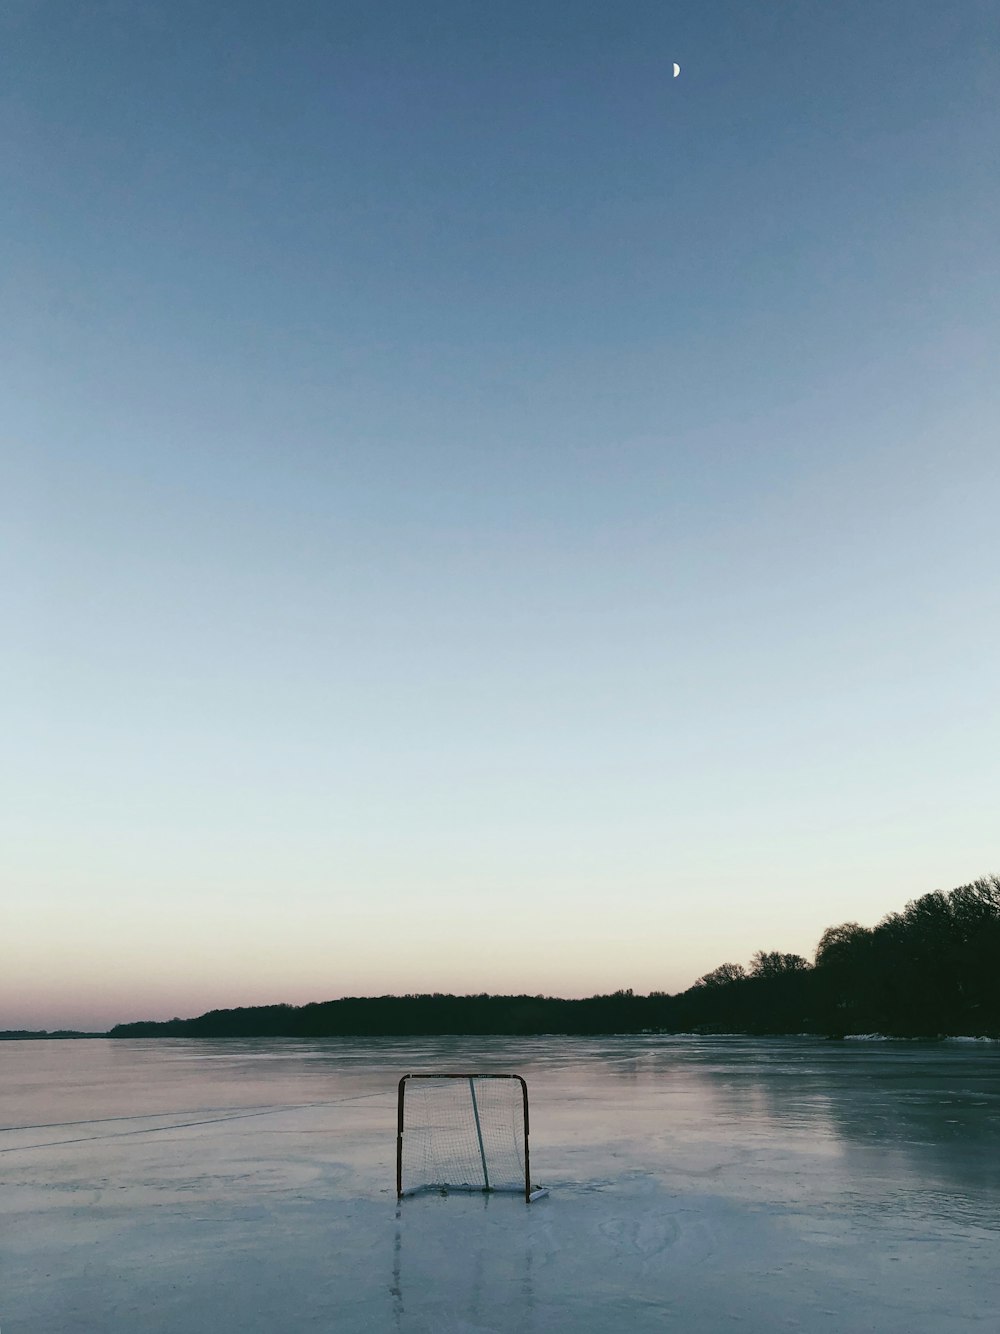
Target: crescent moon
677,69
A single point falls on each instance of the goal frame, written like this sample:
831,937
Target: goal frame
468,1076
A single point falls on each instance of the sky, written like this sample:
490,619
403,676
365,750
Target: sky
481,513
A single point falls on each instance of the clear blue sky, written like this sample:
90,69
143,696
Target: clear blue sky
485,514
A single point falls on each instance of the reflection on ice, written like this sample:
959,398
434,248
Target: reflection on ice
501,1261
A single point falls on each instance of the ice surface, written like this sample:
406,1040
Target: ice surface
699,1184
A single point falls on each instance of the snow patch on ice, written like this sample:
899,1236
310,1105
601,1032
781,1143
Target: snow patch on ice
887,1037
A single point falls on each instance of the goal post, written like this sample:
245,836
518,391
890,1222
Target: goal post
463,1131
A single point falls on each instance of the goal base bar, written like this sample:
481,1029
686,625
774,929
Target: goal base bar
536,1193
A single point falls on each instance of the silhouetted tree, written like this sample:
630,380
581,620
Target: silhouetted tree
843,977
839,945
775,964
723,975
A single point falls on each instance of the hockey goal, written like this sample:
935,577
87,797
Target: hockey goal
463,1132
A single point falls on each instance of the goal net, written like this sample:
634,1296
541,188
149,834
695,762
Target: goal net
462,1132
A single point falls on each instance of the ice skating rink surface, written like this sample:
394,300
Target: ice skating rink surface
697,1184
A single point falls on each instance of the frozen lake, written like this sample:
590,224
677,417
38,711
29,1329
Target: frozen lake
697,1184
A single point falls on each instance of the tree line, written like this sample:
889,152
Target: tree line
931,970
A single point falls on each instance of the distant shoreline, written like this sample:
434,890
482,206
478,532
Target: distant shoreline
42,1034
931,971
